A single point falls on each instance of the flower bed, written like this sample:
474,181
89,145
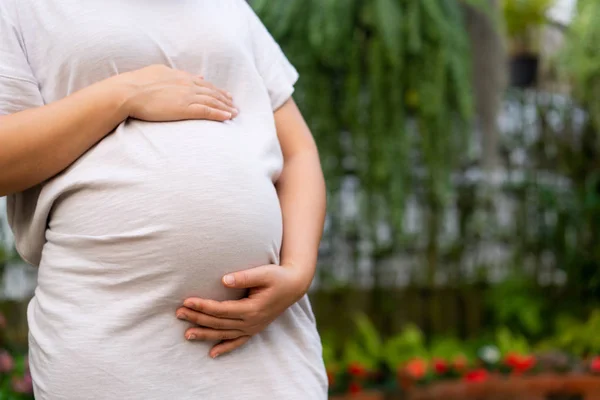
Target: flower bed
540,387
550,376
504,366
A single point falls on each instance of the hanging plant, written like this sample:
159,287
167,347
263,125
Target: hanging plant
385,87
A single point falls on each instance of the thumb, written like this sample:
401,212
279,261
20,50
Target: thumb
249,278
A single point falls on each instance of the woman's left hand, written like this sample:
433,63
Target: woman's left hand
273,289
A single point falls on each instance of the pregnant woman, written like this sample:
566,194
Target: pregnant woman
163,180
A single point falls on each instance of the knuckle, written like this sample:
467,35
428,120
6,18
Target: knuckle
218,324
254,313
203,111
244,278
195,318
213,102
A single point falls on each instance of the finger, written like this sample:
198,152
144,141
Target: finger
215,94
202,334
250,278
228,346
208,321
215,103
207,84
232,309
200,111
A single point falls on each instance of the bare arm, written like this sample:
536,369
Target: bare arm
301,190
38,143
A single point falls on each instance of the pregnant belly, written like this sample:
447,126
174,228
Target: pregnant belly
155,214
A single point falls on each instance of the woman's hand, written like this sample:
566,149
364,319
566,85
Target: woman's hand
273,289
159,93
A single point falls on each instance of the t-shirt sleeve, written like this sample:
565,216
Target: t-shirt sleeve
19,91
18,87
278,74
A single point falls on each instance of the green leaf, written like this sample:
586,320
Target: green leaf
368,336
389,20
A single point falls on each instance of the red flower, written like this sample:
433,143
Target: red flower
595,365
331,378
440,366
477,375
416,368
511,359
519,363
355,388
460,363
357,370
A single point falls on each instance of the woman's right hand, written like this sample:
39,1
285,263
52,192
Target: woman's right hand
160,93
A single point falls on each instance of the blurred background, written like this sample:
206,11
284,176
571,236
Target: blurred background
460,140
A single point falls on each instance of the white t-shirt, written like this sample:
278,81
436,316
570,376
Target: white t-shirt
155,212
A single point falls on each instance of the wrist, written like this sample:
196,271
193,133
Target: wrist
124,91
303,276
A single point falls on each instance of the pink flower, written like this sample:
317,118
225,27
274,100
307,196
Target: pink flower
23,385
6,362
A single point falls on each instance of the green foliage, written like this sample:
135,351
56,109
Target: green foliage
508,342
385,87
367,347
516,303
581,57
406,345
448,348
576,337
522,15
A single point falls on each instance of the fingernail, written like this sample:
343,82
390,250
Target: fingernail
235,112
229,280
191,337
229,116
188,304
215,355
229,94
181,316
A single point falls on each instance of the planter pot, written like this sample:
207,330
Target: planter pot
524,70
540,387
584,385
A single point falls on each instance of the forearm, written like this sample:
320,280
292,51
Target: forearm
37,144
301,191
